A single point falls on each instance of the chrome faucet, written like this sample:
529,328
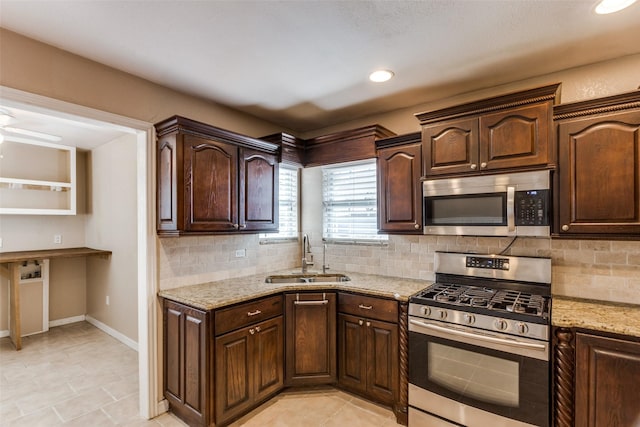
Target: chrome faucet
325,266
307,256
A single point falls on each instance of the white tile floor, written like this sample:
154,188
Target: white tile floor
76,375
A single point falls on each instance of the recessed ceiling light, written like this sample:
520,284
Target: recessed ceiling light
611,6
380,76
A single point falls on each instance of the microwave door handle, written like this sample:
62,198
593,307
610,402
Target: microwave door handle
511,217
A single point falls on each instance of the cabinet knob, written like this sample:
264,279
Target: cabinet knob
252,331
257,328
236,226
416,226
360,322
368,324
474,166
565,227
483,165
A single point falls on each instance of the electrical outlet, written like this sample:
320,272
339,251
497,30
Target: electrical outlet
107,301
240,253
57,239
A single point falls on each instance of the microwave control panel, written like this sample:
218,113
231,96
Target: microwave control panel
532,207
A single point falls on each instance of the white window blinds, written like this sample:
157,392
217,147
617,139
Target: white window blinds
350,202
288,205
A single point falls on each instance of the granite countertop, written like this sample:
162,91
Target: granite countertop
596,315
212,295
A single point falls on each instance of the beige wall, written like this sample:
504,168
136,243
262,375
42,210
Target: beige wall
35,67
112,225
591,81
67,288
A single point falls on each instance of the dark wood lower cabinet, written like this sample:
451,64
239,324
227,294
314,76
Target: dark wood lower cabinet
249,367
596,379
187,362
220,364
368,357
311,338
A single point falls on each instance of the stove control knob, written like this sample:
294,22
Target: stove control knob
469,319
426,311
442,314
501,325
522,328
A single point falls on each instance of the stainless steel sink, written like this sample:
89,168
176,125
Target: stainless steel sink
307,278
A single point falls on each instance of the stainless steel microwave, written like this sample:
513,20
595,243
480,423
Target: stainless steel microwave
511,204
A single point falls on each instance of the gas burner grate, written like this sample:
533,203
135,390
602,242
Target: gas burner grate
497,300
518,302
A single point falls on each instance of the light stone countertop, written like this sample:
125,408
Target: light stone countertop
596,315
212,295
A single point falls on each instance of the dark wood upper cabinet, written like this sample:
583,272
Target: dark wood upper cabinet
399,188
345,146
212,180
292,149
597,190
505,132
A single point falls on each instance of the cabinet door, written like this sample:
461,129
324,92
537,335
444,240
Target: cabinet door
310,338
517,137
259,191
352,345
450,147
268,355
234,374
599,175
400,194
210,185
607,379
169,168
382,360
185,361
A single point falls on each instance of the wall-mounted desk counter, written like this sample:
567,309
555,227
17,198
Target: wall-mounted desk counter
14,260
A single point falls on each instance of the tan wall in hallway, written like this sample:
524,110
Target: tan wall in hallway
112,225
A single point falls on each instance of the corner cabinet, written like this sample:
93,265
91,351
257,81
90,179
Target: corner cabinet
211,180
399,190
598,186
505,132
311,338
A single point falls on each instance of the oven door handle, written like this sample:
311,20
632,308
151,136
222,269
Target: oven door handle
486,338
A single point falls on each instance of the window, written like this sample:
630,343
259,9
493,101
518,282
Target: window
349,200
288,205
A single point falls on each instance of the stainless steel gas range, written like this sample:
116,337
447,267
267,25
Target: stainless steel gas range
479,343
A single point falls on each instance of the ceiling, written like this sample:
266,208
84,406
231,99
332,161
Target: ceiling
303,65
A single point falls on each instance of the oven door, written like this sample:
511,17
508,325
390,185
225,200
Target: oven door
494,373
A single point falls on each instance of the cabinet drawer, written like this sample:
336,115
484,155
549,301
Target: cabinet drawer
229,319
374,308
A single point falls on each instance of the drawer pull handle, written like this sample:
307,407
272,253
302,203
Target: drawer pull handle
365,307
253,313
319,302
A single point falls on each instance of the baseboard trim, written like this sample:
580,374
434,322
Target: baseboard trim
4,333
109,330
66,321
163,406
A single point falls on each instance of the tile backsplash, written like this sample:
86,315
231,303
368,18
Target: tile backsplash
592,269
